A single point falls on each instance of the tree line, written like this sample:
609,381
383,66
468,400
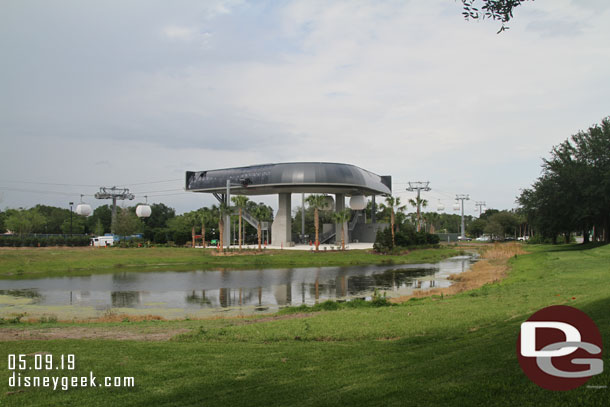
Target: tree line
573,193
163,226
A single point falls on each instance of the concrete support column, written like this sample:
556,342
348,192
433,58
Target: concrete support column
227,232
339,206
281,229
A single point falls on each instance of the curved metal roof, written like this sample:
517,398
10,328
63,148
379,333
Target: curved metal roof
308,177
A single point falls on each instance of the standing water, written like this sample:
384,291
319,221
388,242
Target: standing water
200,293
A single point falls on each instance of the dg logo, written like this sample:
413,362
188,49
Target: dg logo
560,348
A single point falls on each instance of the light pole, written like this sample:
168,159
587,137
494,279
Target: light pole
71,203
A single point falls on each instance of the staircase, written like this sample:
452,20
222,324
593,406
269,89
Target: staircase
245,215
350,227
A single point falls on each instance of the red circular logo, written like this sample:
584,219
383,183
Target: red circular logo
560,348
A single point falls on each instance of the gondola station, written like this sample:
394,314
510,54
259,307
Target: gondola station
285,179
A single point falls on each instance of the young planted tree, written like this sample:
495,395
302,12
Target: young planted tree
240,202
223,210
393,203
205,216
261,213
342,217
318,202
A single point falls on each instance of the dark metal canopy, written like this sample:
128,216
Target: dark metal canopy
267,179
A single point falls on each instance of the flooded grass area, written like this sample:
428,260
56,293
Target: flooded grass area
206,293
25,263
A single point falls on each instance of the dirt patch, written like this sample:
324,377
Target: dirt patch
491,268
118,333
121,318
278,318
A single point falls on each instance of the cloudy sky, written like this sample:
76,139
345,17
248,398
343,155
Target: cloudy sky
134,93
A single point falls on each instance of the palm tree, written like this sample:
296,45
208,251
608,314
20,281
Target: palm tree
418,203
394,205
223,210
317,202
240,202
260,213
206,216
342,217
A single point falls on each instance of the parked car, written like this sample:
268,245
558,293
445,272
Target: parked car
464,239
483,238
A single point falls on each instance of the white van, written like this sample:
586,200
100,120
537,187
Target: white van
102,241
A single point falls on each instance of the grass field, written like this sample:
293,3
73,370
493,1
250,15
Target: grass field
457,351
65,261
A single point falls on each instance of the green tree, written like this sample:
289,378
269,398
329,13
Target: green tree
477,227
261,213
494,228
2,219
240,203
393,203
507,220
323,217
341,217
102,213
206,216
573,192
99,228
24,221
127,223
418,203
488,213
317,202
54,219
76,226
159,215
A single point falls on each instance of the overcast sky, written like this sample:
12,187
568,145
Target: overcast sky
103,93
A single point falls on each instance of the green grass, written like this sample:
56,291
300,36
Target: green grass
52,262
457,351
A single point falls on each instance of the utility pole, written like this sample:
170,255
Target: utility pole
114,193
480,204
419,186
461,197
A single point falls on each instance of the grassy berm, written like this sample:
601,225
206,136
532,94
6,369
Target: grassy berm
456,350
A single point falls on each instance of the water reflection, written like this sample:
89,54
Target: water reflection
261,289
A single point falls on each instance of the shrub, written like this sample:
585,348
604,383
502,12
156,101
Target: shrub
406,237
43,241
539,239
